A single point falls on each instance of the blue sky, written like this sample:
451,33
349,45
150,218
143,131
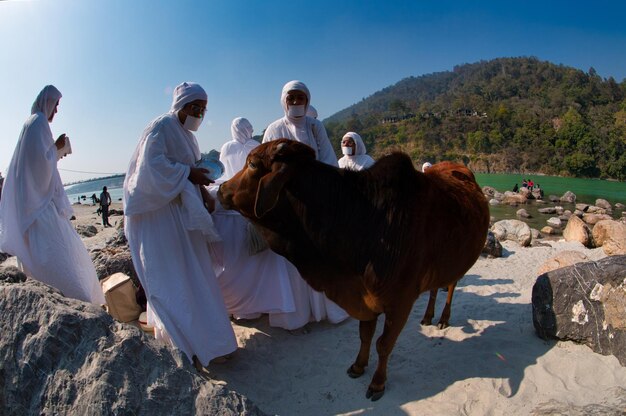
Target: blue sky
117,61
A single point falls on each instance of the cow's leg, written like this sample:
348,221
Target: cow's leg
394,322
366,333
445,315
430,309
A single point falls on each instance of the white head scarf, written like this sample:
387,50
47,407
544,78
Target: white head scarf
186,93
241,130
295,86
33,180
234,152
46,101
360,160
311,111
426,166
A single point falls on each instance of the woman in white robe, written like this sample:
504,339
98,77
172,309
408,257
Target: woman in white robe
35,210
296,125
355,156
251,284
168,231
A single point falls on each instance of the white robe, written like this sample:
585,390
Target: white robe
34,217
251,284
310,304
169,243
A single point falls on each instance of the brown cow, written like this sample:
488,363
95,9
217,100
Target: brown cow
371,240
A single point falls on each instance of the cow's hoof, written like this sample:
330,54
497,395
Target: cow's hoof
374,395
426,322
443,325
354,373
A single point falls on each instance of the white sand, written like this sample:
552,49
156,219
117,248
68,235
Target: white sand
489,362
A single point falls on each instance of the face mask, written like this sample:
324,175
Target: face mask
296,110
346,151
192,123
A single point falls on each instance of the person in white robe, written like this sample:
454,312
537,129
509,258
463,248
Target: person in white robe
169,228
355,155
296,125
35,210
251,283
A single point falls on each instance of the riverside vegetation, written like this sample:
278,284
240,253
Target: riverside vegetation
514,115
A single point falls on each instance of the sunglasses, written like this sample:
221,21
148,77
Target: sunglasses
196,109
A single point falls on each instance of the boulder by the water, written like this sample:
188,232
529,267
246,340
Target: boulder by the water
514,230
584,303
611,236
577,230
568,197
492,247
63,356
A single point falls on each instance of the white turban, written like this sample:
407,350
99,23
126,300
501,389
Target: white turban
46,101
186,93
294,86
241,130
426,166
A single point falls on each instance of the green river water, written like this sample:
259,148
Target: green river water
586,191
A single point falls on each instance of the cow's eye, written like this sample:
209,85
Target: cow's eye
251,165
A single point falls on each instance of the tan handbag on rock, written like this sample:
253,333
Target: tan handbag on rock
120,295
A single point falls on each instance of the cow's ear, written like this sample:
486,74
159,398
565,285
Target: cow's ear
269,189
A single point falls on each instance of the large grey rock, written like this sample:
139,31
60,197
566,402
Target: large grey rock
584,303
66,357
86,230
568,197
514,230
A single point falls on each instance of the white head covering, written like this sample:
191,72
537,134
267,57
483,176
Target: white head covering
241,130
33,179
294,86
46,101
311,111
234,152
360,160
186,93
426,166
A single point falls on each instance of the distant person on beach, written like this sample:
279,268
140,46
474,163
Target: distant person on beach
105,202
296,125
168,227
35,210
254,280
355,155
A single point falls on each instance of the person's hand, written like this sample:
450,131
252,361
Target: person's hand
60,142
198,176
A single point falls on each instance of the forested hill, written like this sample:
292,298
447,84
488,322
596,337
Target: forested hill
505,115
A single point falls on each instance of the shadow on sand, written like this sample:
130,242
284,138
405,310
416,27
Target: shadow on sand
482,342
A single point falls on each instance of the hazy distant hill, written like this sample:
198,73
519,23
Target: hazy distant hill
503,115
